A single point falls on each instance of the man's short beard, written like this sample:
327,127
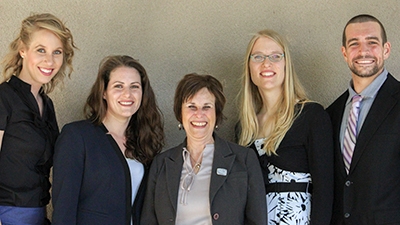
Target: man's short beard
364,74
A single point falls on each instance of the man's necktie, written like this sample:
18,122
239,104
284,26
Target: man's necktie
350,135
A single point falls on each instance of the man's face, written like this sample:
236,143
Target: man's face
364,51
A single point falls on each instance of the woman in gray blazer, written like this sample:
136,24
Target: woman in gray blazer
204,180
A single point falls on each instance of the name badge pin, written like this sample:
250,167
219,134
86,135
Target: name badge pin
222,171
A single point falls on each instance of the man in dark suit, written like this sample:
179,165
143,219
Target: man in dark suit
367,175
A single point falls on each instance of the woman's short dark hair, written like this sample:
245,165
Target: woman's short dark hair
145,132
193,83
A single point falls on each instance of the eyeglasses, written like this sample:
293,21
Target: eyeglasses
186,185
259,58
188,180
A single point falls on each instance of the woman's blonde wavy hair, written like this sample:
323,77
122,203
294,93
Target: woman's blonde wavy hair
250,100
12,63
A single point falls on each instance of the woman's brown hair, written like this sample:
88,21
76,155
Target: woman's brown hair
145,132
193,83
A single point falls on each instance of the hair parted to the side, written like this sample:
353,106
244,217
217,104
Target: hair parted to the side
363,18
250,101
193,83
13,62
145,132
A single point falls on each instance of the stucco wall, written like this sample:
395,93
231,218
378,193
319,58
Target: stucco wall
173,38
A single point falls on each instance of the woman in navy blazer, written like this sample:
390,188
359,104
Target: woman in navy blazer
204,180
101,164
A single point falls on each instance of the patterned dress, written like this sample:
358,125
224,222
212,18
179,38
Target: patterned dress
304,156
292,208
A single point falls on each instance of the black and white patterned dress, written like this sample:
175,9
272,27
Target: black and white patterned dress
305,156
292,208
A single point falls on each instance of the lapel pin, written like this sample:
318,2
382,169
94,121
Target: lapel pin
222,171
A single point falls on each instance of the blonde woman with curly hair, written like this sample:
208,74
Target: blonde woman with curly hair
291,134
39,58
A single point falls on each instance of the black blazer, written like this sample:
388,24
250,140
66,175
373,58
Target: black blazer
92,182
370,194
237,198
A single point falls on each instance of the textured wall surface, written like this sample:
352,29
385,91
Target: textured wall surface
173,38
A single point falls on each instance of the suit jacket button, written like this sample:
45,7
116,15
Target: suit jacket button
215,216
346,215
348,183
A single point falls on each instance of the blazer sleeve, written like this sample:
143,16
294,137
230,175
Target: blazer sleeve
148,211
256,207
320,155
67,176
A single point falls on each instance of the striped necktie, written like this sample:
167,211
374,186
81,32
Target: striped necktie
350,135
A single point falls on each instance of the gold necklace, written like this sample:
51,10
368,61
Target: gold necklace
197,165
196,168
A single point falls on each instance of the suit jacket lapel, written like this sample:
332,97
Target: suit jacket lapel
223,161
383,104
336,118
173,166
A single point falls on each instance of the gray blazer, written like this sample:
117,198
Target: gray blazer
237,198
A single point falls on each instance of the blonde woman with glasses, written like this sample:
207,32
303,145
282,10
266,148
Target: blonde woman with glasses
204,180
292,135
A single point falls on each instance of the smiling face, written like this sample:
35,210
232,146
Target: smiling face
364,51
42,59
267,75
123,94
199,116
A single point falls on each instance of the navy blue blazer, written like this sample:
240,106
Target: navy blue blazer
370,193
91,179
237,198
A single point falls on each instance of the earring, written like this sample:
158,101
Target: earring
180,126
22,56
216,127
